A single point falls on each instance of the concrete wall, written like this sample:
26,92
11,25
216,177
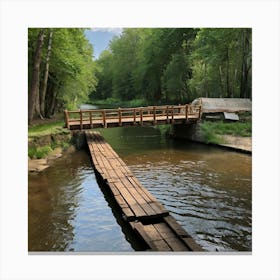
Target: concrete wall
190,131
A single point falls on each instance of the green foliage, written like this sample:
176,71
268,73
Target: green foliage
209,135
212,130
115,103
176,65
217,60
146,63
47,128
39,152
72,71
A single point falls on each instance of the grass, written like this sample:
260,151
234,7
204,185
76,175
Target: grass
213,131
47,128
60,138
39,152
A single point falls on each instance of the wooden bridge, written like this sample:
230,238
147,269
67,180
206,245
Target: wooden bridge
147,217
152,115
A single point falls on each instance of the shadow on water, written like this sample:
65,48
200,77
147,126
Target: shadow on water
136,243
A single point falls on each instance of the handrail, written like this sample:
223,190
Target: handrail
168,112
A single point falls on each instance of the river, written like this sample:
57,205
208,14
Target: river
207,190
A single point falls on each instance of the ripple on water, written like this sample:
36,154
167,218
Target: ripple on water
206,202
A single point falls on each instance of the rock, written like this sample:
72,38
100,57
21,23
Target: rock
37,165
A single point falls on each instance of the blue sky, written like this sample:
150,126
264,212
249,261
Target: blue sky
100,38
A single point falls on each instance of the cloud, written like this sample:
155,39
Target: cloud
113,30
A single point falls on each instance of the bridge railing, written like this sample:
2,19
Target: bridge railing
139,114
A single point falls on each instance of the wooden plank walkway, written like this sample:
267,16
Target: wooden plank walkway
152,115
145,214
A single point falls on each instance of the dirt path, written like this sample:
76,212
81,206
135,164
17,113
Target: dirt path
238,142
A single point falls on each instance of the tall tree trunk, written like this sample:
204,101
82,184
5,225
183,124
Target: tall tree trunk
53,103
234,84
205,81
245,68
46,75
228,83
221,81
35,76
37,112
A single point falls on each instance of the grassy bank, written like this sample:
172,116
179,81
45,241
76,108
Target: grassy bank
214,131
44,138
46,128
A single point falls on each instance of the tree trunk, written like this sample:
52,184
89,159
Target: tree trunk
37,105
53,104
205,81
46,75
245,68
228,83
221,81
35,76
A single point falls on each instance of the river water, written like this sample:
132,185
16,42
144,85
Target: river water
207,190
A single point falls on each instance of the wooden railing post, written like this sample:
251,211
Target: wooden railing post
104,119
141,116
120,117
187,108
172,114
90,119
134,116
154,114
167,117
66,119
200,112
81,120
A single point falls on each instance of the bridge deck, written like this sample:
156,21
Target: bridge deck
145,214
88,119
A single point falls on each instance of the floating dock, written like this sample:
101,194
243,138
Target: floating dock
149,219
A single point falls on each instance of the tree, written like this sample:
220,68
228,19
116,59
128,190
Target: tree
68,75
220,63
35,75
46,75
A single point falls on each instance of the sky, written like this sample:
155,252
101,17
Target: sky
100,38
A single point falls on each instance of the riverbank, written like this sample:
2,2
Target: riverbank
234,136
48,140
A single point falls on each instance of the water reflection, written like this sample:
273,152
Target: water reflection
68,212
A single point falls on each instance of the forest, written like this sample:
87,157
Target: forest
141,66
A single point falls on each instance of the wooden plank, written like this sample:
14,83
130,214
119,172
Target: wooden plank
81,120
176,245
120,117
152,232
187,108
139,228
164,230
160,245
154,116
179,230
66,115
143,204
129,215
122,203
132,203
104,118
193,246
90,118
113,188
